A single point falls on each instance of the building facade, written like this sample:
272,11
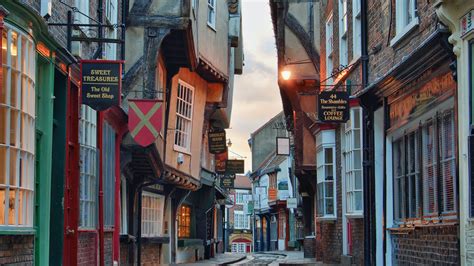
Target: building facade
456,16
239,217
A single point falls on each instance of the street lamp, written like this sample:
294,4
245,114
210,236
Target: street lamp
286,74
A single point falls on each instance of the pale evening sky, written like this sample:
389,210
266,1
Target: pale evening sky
256,94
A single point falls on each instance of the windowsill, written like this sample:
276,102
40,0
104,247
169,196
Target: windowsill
405,32
181,149
326,218
212,27
188,242
355,215
5,230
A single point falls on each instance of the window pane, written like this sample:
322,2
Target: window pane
14,117
3,92
4,46
358,179
4,127
14,49
2,206
13,166
11,207
3,164
328,155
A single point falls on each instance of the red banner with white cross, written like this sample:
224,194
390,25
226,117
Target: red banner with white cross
145,120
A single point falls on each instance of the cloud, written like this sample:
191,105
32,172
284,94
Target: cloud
256,94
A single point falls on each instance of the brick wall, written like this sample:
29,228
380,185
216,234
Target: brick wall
151,254
357,226
379,30
17,249
87,248
124,255
108,248
427,246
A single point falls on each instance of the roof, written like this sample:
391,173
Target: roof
276,117
270,164
242,181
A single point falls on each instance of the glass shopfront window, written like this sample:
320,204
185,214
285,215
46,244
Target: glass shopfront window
17,129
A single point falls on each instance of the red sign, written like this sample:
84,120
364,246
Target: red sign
272,194
221,162
145,120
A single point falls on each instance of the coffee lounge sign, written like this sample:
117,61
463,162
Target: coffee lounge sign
333,106
101,82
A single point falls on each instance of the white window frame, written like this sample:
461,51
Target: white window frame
111,15
211,13
326,140
239,196
356,30
152,214
343,32
184,117
350,151
329,49
406,19
241,220
239,247
88,189
17,121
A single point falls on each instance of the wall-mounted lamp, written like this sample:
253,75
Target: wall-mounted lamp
286,74
229,143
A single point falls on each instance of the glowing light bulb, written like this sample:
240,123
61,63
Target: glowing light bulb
286,74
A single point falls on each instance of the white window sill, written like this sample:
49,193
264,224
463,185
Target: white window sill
213,27
404,32
181,149
326,218
358,215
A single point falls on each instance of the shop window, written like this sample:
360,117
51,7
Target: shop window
17,129
343,16
329,50
152,214
352,156
88,168
184,221
184,112
407,176
211,13
326,173
108,174
241,220
424,170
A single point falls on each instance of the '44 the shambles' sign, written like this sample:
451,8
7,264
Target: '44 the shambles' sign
101,83
333,106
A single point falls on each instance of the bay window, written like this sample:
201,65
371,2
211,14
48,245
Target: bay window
17,129
241,220
326,175
352,159
88,189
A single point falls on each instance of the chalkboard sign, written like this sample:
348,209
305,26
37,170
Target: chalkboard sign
101,82
227,182
235,167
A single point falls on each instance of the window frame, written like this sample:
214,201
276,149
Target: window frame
187,119
356,30
343,32
326,142
402,26
19,105
348,156
152,227
329,48
188,227
243,224
89,152
211,14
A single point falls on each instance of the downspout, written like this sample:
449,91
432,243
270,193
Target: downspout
367,175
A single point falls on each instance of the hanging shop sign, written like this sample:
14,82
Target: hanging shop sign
221,162
283,146
216,139
145,120
291,203
467,23
101,82
333,106
227,182
272,194
235,167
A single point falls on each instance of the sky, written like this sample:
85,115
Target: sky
256,94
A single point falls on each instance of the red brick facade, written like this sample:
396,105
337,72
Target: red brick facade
16,250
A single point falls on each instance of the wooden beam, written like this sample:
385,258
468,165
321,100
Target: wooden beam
179,23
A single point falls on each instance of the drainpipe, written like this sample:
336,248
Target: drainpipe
368,177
